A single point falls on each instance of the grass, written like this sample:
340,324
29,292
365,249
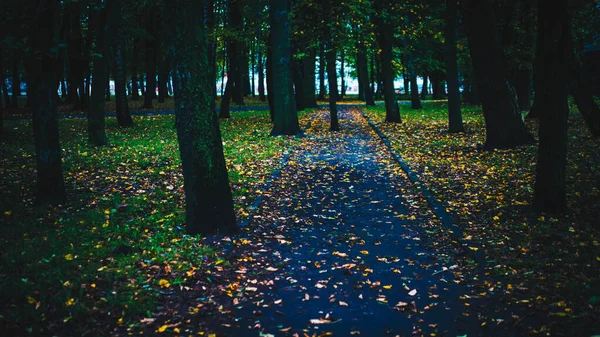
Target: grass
119,241
557,258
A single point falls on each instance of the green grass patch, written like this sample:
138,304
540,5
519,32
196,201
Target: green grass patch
119,242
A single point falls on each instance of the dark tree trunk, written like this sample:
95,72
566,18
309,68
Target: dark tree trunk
552,53
42,81
95,115
342,73
151,44
226,99
252,68
122,106
361,64
379,78
424,90
455,123
437,85
246,70
75,74
298,84
373,78
4,90
236,49
212,50
134,88
522,82
270,88
259,66
163,77
284,106
322,89
309,78
386,41
583,98
504,124
406,79
107,88
209,203
415,100
16,83
332,81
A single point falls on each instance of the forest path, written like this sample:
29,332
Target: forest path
339,246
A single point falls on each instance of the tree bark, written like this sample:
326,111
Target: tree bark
95,116
270,87
332,81
208,198
42,81
151,44
284,105
342,73
322,89
386,41
75,74
583,98
455,123
552,53
309,79
259,66
163,77
16,83
361,64
504,124
424,89
122,106
415,100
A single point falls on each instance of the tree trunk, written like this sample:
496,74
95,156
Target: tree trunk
552,53
259,66
209,203
151,44
322,89
107,88
236,49
342,73
270,87
16,83
309,78
332,81
522,82
455,123
298,84
212,50
122,106
75,74
284,105
424,89
415,100
361,64
226,99
583,98
386,41
135,95
504,124
163,77
42,81
95,116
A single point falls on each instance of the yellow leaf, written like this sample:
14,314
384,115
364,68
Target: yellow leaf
387,287
30,300
164,283
364,252
162,328
69,257
70,302
107,211
7,212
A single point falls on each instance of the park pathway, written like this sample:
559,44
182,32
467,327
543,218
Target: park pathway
338,247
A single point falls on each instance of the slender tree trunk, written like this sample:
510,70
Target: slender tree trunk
95,115
150,93
415,100
361,64
122,106
386,41
252,68
522,84
322,89
208,198
284,105
16,83
134,88
309,79
583,98
424,92
163,77
552,52
455,123
260,70
504,124
246,70
236,70
212,50
298,84
42,81
342,73
379,78
107,88
75,57
5,91
270,86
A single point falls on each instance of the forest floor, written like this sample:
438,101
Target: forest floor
336,239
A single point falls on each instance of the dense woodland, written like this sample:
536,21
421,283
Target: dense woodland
519,60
